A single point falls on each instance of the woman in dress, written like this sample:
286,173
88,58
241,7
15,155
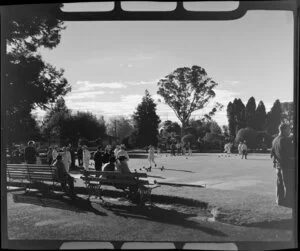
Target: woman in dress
86,156
151,156
66,158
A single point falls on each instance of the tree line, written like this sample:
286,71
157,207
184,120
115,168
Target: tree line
185,90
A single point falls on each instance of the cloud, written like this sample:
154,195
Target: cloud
232,82
85,95
90,86
152,82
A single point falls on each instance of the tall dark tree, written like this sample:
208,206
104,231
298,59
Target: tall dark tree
187,90
231,120
215,128
239,114
250,113
274,118
260,117
29,81
146,122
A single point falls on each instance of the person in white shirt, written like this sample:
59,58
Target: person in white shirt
117,149
86,157
66,158
151,157
240,148
244,149
122,152
122,159
54,154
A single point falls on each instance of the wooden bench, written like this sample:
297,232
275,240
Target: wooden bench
132,184
32,173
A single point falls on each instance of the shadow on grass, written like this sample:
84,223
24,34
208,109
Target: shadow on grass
179,170
59,201
162,215
286,224
156,198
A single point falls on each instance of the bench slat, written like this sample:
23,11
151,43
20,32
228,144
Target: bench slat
116,174
14,169
115,181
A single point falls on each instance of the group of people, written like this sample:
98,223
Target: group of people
111,159
242,149
181,148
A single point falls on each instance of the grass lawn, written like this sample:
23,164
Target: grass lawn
238,204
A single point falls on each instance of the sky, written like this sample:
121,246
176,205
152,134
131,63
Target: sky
109,64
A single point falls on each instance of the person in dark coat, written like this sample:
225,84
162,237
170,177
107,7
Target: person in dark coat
110,166
80,156
98,158
283,159
62,175
108,153
71,149
30,153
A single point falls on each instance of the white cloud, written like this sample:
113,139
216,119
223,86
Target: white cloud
152,82
232,82
90,86
84,95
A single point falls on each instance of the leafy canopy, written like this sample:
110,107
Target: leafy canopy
187,90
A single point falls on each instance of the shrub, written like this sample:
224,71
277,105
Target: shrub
252,137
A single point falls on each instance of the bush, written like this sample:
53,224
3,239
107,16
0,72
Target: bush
188,138
253,138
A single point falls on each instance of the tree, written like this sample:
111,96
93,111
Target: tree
250,112
146,122
260,117
171,127
239,114
215,128
225,130
187,90
29,81
274,118
120,126
231,120
250,135
287,113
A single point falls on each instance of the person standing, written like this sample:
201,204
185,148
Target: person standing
283,158
151,157
80,155
240,148
173,149
86,156
49,155
117,149
66,158
244,149
122,152
30,153
54,154
107,154
72,156
98,158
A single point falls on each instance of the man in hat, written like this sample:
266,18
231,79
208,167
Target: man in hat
283,159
